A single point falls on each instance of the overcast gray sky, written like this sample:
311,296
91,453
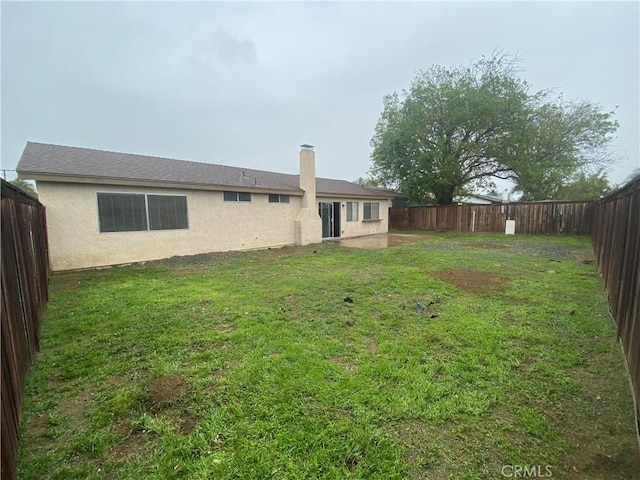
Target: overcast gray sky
245,84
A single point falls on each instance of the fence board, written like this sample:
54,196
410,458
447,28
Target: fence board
615,227
24,278
545,218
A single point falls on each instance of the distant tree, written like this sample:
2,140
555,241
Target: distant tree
25,185
456,129
368,182
635,173
585,186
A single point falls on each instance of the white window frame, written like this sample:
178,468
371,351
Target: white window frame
374,207
352,213
237,196
280,198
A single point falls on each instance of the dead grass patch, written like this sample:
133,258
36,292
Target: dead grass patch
225,328
66,282
371,345
347,363
443,451
75,407
134,444
599,450
222,372
37,430
187,423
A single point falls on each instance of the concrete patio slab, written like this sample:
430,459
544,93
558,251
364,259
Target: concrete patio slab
381,240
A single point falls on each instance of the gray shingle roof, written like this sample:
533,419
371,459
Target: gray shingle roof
40,159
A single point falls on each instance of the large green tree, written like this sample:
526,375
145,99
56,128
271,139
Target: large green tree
584,186
565,143
458,129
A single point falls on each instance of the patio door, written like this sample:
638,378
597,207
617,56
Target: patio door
330,214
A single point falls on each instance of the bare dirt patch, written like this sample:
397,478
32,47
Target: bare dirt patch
471,281
66,282
114,382
37,430
75,407
165,389
202,263
186,425
134,444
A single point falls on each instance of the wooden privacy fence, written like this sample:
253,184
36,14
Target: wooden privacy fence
25,271
615,227
546,218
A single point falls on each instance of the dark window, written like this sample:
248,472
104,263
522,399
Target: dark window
167,212
275,198
352,211
371,211
129,212
237,197
122,212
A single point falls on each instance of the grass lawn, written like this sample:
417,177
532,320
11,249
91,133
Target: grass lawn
314,362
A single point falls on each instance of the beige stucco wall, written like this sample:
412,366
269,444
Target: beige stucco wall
75,240
214,225
360,228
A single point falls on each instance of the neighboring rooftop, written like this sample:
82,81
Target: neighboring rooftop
43,161
473,197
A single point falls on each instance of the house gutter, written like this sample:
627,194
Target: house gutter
80,179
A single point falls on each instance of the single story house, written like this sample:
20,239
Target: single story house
108,208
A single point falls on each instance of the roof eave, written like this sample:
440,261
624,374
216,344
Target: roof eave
91,180
353,195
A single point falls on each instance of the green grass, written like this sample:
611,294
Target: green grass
252,366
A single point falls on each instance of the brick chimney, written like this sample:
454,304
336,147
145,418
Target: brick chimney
308,222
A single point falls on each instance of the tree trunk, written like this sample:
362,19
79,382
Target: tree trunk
445,196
